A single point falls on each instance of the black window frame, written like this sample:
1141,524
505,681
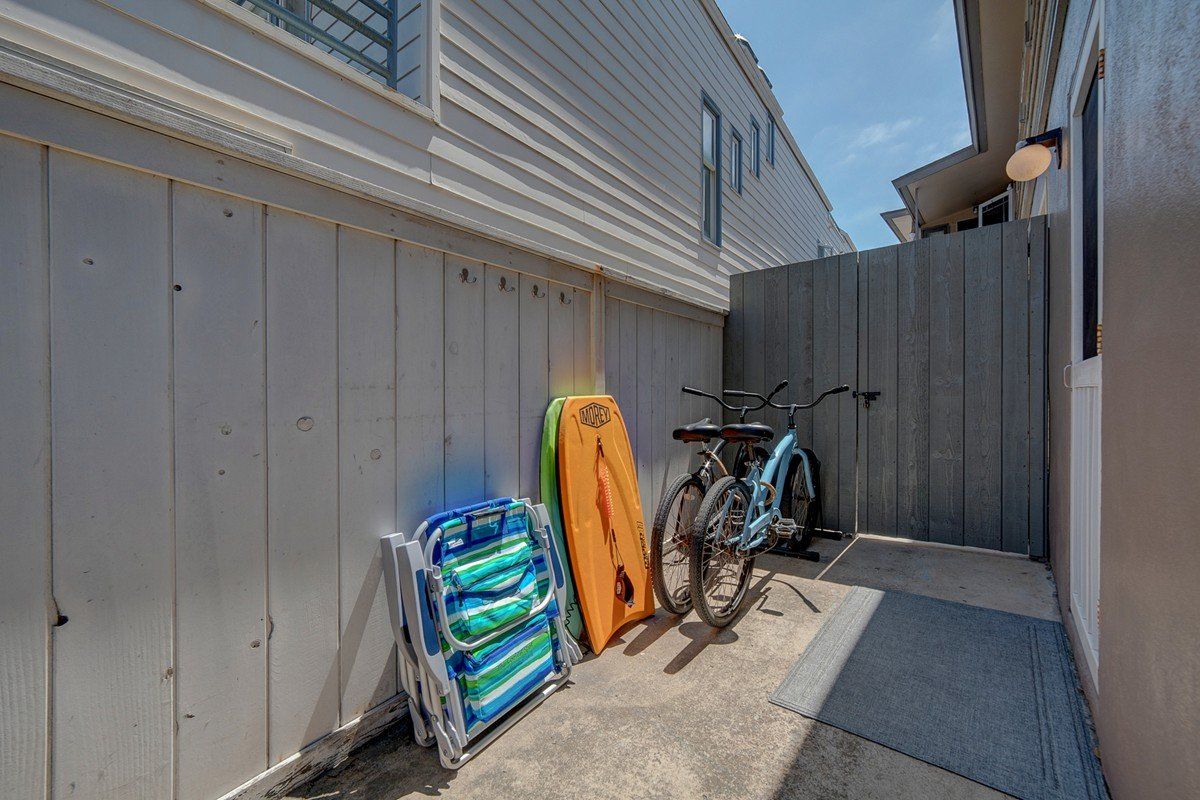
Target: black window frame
711,179
737,148
771,126
756,148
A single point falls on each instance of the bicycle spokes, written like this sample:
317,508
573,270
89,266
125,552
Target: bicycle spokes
722,565
671,544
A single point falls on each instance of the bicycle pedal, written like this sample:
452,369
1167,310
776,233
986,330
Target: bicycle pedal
785,528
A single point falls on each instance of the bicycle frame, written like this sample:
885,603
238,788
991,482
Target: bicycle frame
711,466
760,515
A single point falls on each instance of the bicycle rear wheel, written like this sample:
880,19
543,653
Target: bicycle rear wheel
719,576
671,543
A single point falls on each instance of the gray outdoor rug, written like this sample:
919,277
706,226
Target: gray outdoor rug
987,694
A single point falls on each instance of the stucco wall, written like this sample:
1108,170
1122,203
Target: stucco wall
1148,706
1150,538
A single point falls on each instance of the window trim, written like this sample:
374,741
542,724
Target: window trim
707,103
756,152
735,164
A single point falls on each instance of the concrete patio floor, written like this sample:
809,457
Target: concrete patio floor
675,709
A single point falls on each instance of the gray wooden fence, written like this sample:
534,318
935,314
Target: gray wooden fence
950,331
232,399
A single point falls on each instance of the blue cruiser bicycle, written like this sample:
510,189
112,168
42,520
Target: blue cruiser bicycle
744,515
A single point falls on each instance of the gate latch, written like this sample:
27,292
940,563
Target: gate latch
867,397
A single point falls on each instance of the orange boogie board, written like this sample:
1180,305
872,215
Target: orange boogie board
602,517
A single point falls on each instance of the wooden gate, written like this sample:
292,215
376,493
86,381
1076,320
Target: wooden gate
950,331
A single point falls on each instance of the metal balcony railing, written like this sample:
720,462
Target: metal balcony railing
363,33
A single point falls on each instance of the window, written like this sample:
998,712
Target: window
710,170
373,37
771,139
994,210
735,160
824,251
755,150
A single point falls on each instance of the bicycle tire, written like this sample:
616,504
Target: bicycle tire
799,507
710,509
680,601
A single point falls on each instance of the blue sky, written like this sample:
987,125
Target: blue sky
870,89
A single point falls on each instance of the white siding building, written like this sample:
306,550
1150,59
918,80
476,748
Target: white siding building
566,128
261,307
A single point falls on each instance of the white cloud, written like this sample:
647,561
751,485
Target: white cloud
882,132
944,28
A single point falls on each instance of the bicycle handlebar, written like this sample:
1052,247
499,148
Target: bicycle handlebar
732,393
763,401
794,407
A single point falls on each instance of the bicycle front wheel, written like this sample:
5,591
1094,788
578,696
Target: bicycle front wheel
671,543
799,506
719,576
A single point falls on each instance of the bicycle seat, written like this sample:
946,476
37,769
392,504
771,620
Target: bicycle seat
700,431
747,433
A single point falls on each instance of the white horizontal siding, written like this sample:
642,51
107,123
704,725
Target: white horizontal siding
616,88
566,127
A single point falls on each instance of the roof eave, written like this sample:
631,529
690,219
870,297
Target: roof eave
966,15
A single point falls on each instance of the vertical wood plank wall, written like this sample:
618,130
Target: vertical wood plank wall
950,331
232,402
650,354
812,342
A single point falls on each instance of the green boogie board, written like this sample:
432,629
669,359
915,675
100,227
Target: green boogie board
572,614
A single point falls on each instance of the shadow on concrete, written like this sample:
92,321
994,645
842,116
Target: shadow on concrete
703,635
654,629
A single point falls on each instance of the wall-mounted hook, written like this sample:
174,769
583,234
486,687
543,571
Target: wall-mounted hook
466,277
562,298
535,290
504,287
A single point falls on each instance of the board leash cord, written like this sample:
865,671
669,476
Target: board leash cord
622,585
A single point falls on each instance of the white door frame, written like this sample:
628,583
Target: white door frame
1085,376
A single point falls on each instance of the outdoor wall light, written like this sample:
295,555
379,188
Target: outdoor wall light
1033,155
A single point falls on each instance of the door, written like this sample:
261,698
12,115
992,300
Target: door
951,386
1084,376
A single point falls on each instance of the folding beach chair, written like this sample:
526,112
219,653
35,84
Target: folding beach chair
475,595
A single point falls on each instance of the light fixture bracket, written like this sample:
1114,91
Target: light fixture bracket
1051,139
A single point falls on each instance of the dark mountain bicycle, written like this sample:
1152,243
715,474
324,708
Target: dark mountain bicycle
670,542
745,515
